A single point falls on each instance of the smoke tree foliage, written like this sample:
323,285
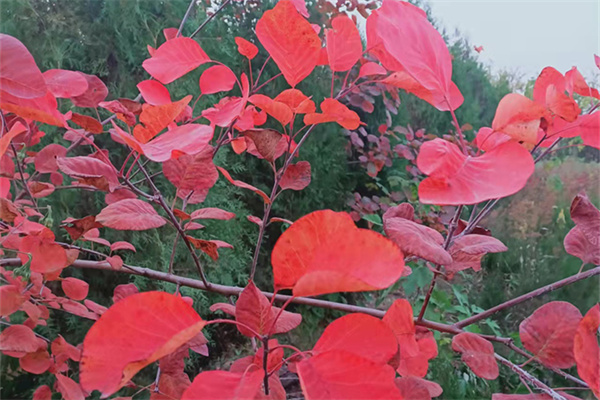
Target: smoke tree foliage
366,354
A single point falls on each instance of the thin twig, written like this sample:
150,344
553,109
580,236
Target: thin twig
207,20
185,17
530,378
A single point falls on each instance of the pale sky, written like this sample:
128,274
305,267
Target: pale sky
527,36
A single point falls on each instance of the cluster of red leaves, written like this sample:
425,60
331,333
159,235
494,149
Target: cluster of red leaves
322,252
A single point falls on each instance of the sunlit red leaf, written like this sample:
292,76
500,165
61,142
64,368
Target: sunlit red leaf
456,179
334,111
45,159
114,351
354,333
344,46
130,214
65,84
415,239
246,48
186,139
154,119
175,58
244,185
46,255
225,385
297,101
290,40
19,74
75,288
575,82
42,393
477,353
403,39
324,252
88,123
371,68
42,109
468,250
212,213
154,92
217,78
95,93
60,346
296,177
5,140
340,374
549,333
582,241
518,117
587,351
90,170
586,126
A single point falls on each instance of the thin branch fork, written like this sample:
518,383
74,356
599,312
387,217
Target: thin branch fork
530,378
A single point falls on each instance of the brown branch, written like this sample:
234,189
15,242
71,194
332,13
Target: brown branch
527,296
530,378
207,20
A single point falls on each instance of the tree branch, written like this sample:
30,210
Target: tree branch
530,378
527,296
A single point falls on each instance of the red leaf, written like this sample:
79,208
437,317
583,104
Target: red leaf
113,351
122,246
582,241
587,351
119,109
90,171
518,117
266,142
354,333
549,333
123,291
75,288
324,252
278,110
195,172
206,246
296,176
399,317
403,39
224,385
586,126
339,374
42,109
477,353
40,189
416,239
456,179
246,48
20,339
576,83
154,93
185,139
87,123
45,159
244,185
418,365
467,251
19,74
217,78
157,118
130,214
344,46
212,213
297,101
254,310
69,389
5,140
96,92
10,299
42,393
65,84
61,347
371,68
175,58
334,111
37,362
418,389
290,40
46,255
